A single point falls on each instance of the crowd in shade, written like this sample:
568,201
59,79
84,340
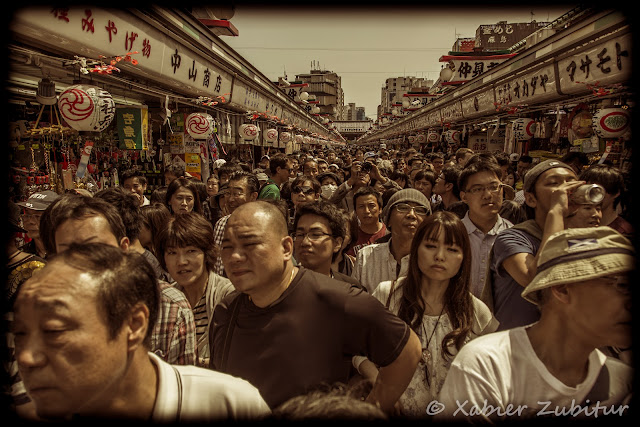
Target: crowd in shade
338,283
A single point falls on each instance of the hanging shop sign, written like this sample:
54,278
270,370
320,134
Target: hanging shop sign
95,32
596,65
611,122
529,88
86,108
479,104
192,157
466,68
451,112
133,127
488,141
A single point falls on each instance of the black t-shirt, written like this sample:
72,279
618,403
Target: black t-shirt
306,338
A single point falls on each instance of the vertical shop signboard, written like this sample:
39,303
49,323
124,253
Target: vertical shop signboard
133,128
192,157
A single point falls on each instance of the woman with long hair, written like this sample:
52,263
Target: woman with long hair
435,301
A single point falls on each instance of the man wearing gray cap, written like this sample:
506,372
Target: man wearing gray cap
404,212
555,367
514,252
34,206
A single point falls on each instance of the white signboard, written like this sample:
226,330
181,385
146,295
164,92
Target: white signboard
595,67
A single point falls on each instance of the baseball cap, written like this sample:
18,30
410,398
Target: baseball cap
580,254
532,174
514,157
403,196
39,201
262,176
265,157
14,217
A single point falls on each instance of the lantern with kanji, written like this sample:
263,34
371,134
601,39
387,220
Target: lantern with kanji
299,139
611,122
271,135
411,139
199,125
452,136
248,131
524,129
87,108
421,138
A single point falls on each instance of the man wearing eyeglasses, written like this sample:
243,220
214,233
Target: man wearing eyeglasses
404,212
555,366
481,189
319,231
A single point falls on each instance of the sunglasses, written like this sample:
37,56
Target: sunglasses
307,191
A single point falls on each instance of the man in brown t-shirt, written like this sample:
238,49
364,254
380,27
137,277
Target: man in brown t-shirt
289,329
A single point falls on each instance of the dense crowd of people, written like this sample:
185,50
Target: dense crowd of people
335,283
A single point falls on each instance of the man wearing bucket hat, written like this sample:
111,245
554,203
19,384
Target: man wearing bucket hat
34,207
555,366
404,212
512,267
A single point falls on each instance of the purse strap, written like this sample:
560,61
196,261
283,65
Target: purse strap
393,285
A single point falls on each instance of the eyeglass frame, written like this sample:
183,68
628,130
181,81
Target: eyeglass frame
410,208
480,189
295,236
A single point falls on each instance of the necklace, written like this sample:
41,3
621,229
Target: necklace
426,353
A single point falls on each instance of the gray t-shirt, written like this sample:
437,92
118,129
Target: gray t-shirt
510,308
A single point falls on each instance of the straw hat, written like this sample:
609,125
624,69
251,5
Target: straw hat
580,254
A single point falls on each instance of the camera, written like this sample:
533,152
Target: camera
588,194
366,167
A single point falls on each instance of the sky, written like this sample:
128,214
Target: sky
365,46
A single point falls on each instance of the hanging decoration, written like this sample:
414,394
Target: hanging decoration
299,139
452,136
249,131
286,137
199,125
523,128
271,135
433,137
611,122
421,138
87,108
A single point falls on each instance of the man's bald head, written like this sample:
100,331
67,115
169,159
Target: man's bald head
267,213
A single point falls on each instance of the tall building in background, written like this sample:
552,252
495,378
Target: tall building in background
352,112
327,88
395,89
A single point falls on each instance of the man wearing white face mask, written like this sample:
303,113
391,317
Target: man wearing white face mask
329,182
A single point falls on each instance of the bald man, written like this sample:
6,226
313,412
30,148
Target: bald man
300,327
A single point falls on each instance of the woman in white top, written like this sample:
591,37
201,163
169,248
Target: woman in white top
434,299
